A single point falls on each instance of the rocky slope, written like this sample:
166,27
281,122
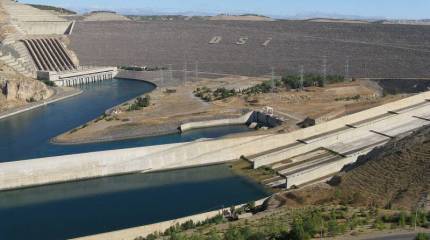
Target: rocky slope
396,175
16,90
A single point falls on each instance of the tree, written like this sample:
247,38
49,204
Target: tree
333,227
233,234
213,235
297,230
402,219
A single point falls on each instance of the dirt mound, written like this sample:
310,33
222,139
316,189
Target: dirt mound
240,18
105,16
397,174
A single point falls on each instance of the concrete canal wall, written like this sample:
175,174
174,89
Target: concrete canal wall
107,163
143,231
216,123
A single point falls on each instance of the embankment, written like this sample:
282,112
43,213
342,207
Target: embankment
144,231
57,97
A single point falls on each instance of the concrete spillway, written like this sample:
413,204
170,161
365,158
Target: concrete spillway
49,54
54,63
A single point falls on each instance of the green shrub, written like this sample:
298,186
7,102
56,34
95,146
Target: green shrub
422,236
402,219
139,103
49,83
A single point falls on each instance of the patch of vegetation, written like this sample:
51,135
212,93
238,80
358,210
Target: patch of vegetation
422,236
139,103
294,81
141,69
288,81
265,87
244,168
49,83
295,224
355,98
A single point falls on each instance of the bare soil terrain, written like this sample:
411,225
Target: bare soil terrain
172,106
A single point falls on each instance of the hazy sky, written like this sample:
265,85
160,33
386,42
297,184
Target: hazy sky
414,9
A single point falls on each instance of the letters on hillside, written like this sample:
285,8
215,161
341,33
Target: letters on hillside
243,40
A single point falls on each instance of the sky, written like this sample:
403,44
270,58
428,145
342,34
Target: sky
394,9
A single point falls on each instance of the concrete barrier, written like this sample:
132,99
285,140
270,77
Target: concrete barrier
215,123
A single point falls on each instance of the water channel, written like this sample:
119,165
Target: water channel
100,205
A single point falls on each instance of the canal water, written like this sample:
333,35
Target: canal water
27,135
88,207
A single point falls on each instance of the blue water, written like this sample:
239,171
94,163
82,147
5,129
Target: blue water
82,208
28,135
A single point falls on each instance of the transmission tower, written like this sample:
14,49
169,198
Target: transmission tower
170,73
302,77
273,79
185,72
347,68
162,76
324,68
197,71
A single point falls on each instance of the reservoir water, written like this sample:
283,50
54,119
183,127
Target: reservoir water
100,205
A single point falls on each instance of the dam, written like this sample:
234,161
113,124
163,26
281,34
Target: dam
84,189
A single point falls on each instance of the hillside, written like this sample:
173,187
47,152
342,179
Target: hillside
104,16
17,90
397,174
57,10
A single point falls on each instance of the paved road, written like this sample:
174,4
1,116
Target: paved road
391,236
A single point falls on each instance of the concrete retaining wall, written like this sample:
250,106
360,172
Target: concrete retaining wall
132,233
321,170
106,163
216,123
39,104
